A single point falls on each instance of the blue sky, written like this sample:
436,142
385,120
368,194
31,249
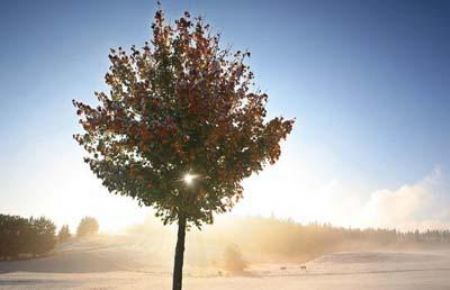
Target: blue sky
368,81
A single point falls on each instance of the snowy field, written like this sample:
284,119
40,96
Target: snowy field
363,270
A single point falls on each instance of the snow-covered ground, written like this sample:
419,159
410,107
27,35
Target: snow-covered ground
100,265
328,275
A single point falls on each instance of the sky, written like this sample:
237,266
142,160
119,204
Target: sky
367,81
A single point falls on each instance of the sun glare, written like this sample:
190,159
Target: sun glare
189,178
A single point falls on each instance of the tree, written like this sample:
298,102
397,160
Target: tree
88,226
181,126
64,234
14,236
19,236
42,237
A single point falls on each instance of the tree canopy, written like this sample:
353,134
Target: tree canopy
22,236
64,234
178,105
88,226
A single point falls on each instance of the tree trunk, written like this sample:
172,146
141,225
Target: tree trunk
179,255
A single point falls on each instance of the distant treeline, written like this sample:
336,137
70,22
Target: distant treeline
259,237
292,238
21,236
31,237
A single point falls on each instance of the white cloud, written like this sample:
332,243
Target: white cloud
422,205
294,189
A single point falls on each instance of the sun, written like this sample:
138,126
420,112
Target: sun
188,178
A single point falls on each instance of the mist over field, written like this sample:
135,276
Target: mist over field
237,253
